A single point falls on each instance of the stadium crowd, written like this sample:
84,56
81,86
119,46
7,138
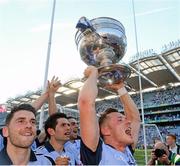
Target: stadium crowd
153,134
109,140
162,117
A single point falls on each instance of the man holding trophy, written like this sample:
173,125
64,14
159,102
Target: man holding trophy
101,43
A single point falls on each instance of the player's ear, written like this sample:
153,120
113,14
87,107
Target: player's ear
5,131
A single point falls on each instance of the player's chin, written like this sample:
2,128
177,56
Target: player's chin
67,138
129,140
75,134
27,138
26,144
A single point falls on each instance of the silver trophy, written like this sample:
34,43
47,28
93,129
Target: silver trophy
101,42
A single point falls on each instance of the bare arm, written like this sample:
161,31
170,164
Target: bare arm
37,104
86,102
53,86
49,95
42,136
132,114
131,111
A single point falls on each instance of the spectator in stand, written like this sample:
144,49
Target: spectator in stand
171,143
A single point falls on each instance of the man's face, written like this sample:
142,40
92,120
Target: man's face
74,128
62,130
170,140
163,159
120,128
21,130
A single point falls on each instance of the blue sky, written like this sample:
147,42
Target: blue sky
24,32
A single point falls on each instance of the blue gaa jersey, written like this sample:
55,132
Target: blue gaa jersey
1,142
48,150
74,147
105,155
34,159
34,146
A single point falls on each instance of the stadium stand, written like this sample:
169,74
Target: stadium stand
160,75
160,107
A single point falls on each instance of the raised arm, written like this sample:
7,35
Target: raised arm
49,95
37,104
53,86
130,110
86,103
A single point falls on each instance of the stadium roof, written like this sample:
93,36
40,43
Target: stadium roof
156,70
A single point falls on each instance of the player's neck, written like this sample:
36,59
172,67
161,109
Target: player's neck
116,145
18,155
72,140
58,146
172,146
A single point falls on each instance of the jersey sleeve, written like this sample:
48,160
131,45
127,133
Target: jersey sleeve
88,157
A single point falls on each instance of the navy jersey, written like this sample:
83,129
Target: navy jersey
106,155
34,159
75,149
1,142
48,150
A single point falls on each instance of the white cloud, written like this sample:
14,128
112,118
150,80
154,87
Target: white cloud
153,11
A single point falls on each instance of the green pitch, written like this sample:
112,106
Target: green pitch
139,156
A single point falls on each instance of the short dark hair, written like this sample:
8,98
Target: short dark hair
70,117
26,107
173,136
103,117
51,122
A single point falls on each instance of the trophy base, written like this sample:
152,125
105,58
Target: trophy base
113,74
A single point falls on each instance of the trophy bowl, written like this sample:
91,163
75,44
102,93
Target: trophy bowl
101,42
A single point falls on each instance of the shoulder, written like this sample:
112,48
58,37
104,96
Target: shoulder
4,158
40,150
178,146
177,159
131,149
43,151
67,144
43,160
78,142
1,143
88,157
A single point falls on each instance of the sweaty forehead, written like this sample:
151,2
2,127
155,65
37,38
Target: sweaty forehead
24,114
115,115
62,120
72,120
